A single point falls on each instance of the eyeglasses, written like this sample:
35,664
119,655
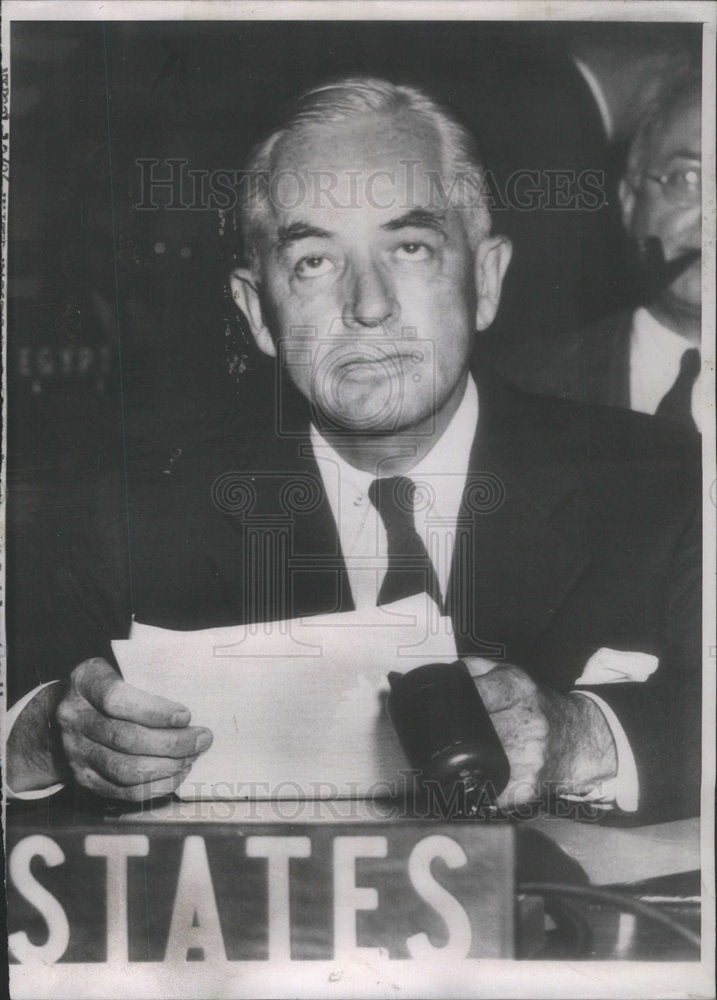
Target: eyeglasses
680,187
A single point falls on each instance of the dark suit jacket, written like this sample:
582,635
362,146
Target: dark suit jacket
579,530
592,365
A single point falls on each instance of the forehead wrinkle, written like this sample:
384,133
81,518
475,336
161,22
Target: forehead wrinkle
683,124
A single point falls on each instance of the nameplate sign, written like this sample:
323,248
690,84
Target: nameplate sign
140,895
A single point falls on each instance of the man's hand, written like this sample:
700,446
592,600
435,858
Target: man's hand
121,742
554,742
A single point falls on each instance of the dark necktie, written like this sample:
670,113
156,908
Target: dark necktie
676,404
410,570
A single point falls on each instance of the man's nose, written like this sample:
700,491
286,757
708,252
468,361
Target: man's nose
370,299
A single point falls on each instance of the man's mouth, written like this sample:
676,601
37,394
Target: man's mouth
686,257
649,272
389,362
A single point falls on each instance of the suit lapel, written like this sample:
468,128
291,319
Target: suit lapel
519,550
287,561
319,579
617,370
606,371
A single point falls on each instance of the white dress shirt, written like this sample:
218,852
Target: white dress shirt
440,478
655,356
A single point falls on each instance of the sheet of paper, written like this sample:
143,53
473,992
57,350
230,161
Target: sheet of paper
297,707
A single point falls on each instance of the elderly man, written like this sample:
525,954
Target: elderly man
370,265
648,359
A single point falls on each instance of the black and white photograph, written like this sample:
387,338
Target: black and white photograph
358,499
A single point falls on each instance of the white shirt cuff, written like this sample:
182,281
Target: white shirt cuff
11,716
622,790
616,666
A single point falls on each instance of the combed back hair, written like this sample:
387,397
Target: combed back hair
674,96
352,98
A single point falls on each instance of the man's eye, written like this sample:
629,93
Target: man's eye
414,251
684,180
314,266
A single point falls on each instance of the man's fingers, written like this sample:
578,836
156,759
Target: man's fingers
503,687
478,665
121,759
103,687
124,770
93,781
130,738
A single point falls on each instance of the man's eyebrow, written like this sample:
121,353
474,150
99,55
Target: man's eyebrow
685,154
298,231
419,217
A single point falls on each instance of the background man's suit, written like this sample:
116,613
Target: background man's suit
592,365
583,533
629,360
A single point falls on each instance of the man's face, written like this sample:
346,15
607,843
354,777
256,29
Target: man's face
368,282
649,212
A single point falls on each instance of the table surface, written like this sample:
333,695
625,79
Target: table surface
609,855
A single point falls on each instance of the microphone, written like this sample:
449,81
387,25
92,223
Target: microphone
648,271
448,737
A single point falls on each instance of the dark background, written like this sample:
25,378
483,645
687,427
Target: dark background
112,343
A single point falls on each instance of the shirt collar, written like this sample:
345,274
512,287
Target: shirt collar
447,460
652,338
655,356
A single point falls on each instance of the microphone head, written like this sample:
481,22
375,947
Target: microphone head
449,739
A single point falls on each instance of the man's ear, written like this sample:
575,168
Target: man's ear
627,200
492,259
246,295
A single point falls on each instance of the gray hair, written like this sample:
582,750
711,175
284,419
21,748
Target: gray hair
679,92
463,176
